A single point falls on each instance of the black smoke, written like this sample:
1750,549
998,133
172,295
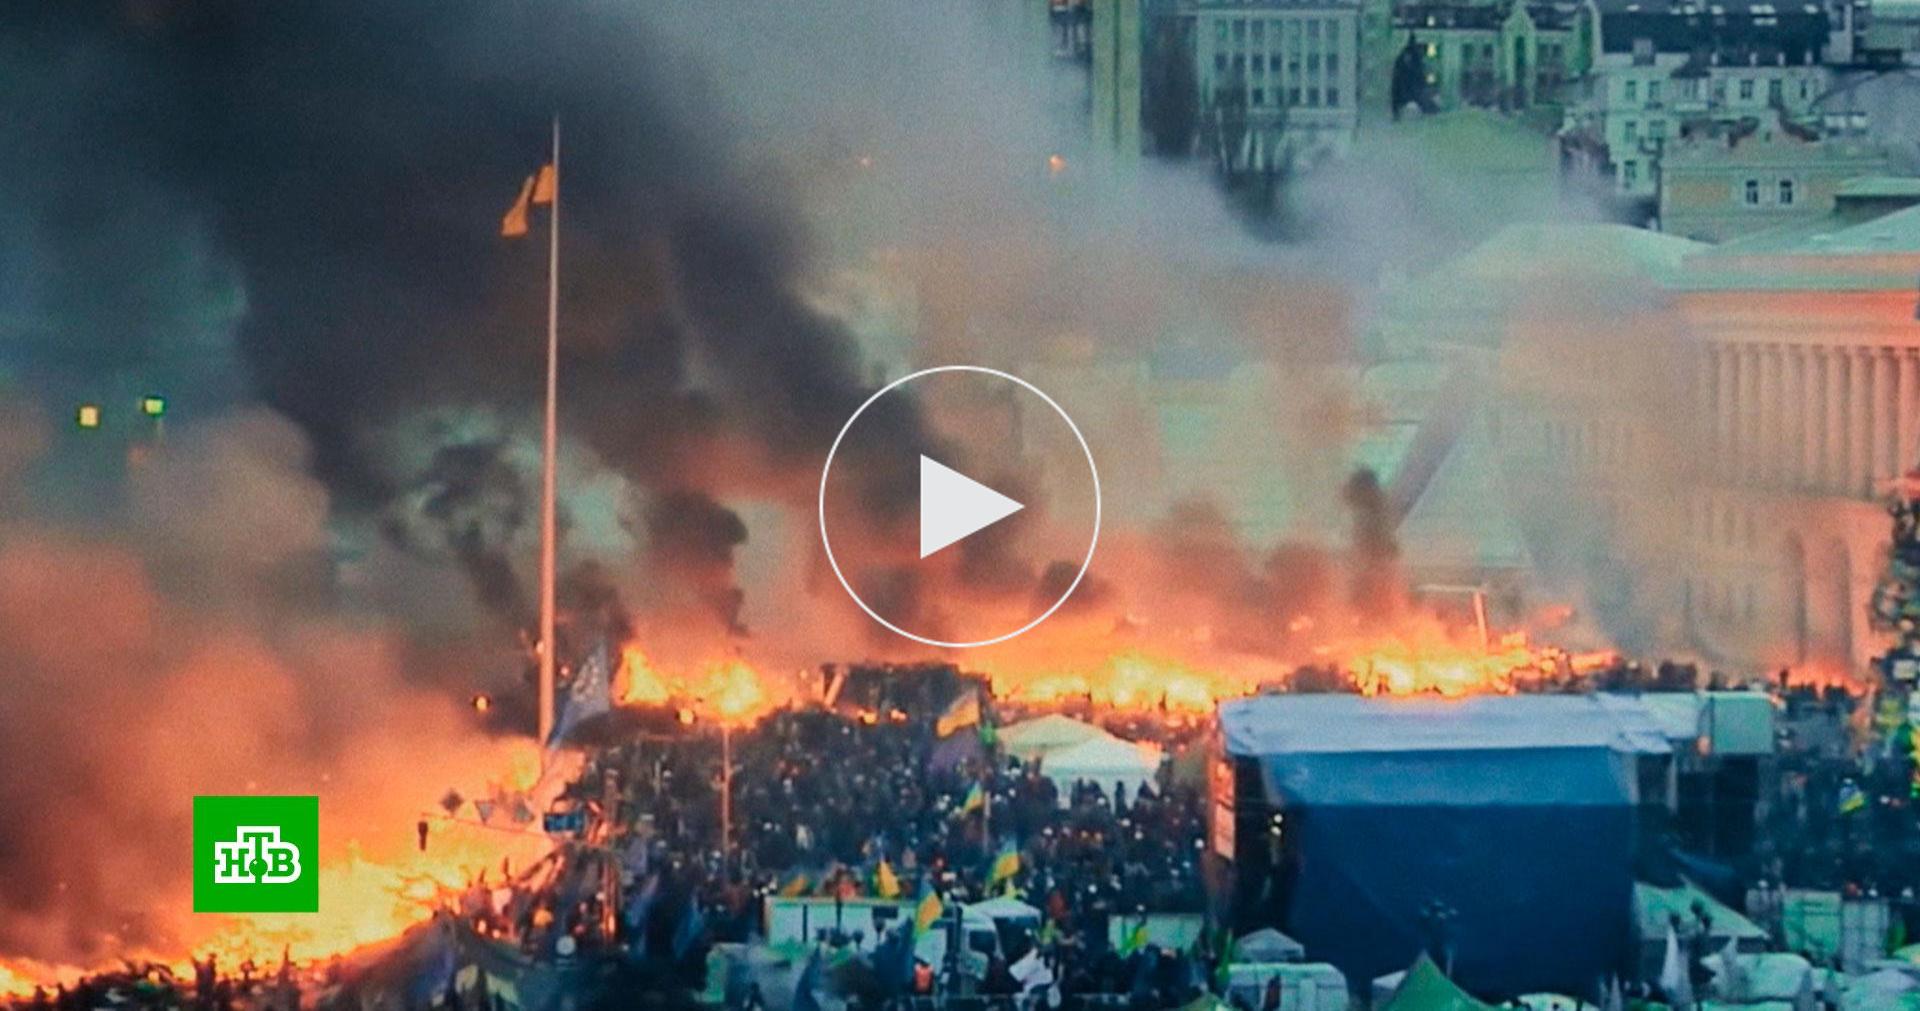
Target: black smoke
348,162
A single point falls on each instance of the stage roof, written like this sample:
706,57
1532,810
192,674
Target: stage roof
1352,724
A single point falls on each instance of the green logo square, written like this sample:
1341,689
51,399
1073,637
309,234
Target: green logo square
256,854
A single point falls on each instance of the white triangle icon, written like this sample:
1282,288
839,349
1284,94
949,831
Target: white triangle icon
953,505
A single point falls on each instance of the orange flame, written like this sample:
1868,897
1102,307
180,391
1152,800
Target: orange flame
731,691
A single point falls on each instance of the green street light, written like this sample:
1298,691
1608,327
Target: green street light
153,406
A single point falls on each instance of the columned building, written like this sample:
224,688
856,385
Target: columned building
1807,381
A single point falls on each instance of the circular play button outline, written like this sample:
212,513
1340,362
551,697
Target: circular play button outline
826,470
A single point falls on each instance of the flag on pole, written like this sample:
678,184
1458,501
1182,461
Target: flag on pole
976,799
1005,865
927,913
514,224
538,189
964,711
590,694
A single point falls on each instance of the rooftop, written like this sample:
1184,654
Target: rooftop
1341,723
1825,255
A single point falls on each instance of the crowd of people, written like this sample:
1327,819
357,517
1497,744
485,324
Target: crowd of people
880,797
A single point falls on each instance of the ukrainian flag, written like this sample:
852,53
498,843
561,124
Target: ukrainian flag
927,913
976,800
1005,865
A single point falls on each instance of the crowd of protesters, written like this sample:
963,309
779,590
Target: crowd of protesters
879,797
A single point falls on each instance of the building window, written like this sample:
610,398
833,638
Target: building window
1752,193
1657,128
1630,130
1746,89
1773,90
1259,33
1653,92
1293,96
1803,89
1313,29
1333,64
1333,96
1259,63
1720,92
1786,193
1220,31
1632,90
1629,173
1313,97
1219,63
1313,63
1240,30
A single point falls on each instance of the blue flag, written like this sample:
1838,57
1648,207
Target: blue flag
589,695
803,998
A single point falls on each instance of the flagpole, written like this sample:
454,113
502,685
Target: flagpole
549,447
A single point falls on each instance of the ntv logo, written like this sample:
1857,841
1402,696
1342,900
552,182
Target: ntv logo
256,857
256,854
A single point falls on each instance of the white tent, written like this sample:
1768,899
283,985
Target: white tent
1761,976
1037,738
1006,908
1268,945
1104,761
1313,986
1881,990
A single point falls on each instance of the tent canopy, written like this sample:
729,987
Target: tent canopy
1340,723
1268,945
1426,988
1039,737
1654,909
1005,908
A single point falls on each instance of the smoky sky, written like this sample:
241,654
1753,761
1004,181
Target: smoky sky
351,161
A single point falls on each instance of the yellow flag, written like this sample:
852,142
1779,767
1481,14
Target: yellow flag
1005,865
963,712
514,224
545,184
885,884
928,912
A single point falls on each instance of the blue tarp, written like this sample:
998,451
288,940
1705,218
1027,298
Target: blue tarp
1516,812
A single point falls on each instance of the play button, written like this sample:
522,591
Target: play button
953,505
959,506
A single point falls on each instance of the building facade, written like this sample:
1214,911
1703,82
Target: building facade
1723,184
1666,68
1493,56
1808,376
1278,81
1116,44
